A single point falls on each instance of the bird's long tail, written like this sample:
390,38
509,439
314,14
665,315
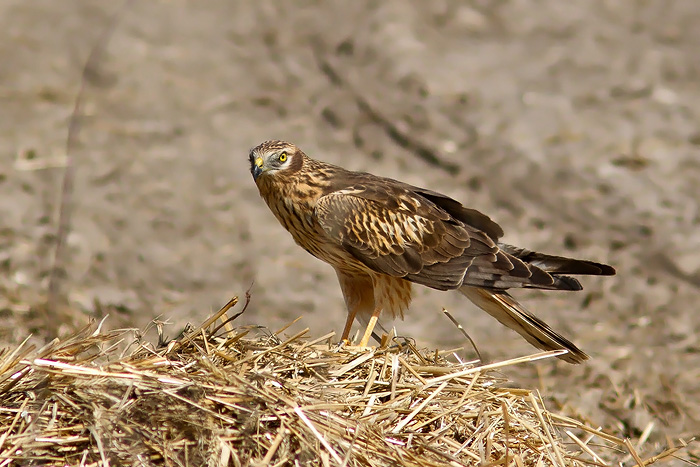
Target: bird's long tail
509,312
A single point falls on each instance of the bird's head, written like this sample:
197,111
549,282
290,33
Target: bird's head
272,158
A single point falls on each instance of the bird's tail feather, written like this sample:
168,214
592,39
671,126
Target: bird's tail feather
558,264
509,312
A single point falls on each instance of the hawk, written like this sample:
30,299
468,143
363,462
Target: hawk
382,235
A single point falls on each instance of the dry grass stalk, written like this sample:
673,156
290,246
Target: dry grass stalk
213,398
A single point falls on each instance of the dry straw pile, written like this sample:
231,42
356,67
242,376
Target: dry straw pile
218,396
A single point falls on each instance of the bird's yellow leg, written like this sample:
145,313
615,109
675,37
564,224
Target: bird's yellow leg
348,324
370,327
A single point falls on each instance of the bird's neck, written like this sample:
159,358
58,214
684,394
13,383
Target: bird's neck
299,191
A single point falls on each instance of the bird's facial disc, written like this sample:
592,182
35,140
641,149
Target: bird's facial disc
269,162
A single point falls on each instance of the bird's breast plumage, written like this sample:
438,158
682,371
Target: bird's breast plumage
293,202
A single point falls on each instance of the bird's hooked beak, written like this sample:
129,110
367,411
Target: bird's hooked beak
257,167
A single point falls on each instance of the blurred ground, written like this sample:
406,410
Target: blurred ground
574,125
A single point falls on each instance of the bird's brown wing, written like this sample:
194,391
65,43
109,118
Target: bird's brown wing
468,216
403,233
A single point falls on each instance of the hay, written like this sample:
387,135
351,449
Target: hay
216,397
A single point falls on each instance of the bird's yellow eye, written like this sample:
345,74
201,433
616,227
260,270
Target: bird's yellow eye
283,157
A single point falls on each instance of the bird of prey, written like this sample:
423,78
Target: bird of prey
382,235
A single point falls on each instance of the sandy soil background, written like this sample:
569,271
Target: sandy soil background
575,125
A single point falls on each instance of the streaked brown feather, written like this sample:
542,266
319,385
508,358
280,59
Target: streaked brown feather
411,228
381,238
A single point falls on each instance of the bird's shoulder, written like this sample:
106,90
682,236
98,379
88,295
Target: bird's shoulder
395,229
356,189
